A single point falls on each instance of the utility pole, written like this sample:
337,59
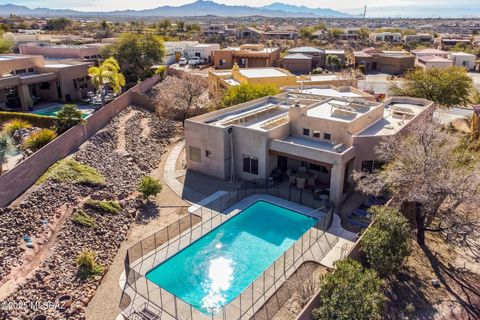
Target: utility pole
364,12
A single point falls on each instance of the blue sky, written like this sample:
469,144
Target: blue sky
345,5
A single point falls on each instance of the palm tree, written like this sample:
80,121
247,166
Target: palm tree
107,74
333,61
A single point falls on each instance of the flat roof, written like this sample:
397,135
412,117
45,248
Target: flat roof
256,116
322,145
262,73
393,120
340,110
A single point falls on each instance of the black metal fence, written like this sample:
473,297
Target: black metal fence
165,243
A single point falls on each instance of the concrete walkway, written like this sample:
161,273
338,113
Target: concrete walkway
171,174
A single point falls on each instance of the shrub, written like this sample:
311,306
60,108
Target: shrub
35,120
71,171
351,292
83,218
6,148
106,206
39,139
248,91
15,124
69,116
149,187
386,242
87,266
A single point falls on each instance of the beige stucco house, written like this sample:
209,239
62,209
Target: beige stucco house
26,79
331,131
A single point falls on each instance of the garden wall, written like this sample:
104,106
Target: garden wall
16,181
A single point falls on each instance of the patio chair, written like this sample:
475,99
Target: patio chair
300,183
302,169
292,179
361,213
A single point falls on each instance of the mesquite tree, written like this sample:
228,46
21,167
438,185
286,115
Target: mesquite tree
432,169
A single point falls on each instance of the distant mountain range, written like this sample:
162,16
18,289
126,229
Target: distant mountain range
197,8
277,9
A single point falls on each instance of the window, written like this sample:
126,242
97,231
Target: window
317,167
316,134
31,70
250,164
372,166
306,132
194,153
222,62
327,136
208,153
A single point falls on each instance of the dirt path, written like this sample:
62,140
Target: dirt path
33,258
144,124
122,143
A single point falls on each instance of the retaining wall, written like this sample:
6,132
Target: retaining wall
20,178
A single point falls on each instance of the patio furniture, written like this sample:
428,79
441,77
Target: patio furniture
302,169
358,223
311,182
301,183
276,174
361,213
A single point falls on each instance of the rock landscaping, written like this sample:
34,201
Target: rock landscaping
92,224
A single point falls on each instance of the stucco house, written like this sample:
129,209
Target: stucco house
25,79
317,135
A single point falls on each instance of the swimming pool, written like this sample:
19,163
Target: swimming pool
52,111
215,269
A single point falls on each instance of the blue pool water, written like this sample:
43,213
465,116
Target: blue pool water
216,268
52,111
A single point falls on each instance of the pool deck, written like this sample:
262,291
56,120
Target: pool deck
315,245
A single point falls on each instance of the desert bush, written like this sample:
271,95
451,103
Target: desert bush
87,266
149,187
68,117
39,139
105,206
71,171
15,124
35,120
83,218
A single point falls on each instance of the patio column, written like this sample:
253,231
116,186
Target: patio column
24,95
336,184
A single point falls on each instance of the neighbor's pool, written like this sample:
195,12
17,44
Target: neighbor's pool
216,268
52,111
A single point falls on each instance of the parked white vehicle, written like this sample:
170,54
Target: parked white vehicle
195,61
182,62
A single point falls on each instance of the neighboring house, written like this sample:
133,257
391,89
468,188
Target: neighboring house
246,56
220,80
429,52
297,63
350,34
249,33
386,36
439,62
174,50
218,30
203,51
450,42
339,53
391,62
418,38
26,79
62,51
301,60
463,59
324,131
